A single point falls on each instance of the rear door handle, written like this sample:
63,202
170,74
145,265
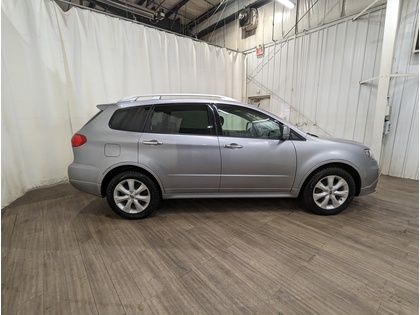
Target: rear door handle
233,146
152,142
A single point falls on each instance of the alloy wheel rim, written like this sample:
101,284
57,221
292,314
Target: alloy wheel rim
131,196
330,192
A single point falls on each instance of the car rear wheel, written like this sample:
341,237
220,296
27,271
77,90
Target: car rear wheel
328,191
133,195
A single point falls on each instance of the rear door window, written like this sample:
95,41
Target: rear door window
193,119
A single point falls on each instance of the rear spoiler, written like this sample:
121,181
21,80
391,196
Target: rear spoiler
103,106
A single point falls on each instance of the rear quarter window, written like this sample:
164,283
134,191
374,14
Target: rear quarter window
129,119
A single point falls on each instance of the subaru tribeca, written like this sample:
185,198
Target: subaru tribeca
146,148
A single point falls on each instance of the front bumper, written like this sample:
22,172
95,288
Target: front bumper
370,179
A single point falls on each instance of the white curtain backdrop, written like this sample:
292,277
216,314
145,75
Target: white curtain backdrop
56,66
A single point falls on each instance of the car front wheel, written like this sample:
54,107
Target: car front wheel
132,195
328,191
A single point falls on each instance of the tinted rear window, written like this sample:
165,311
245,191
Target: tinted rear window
180,119
129,119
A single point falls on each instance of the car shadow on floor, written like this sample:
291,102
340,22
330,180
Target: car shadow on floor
204,207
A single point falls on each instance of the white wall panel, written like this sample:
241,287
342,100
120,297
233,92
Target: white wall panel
284,20
401,146
319,12
356,6
316,85
318,74
312,72
308,14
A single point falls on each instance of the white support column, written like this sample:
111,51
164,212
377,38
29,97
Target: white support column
390,32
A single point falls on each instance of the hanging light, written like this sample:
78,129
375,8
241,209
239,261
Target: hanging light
287,3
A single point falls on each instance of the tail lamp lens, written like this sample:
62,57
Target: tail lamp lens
77,140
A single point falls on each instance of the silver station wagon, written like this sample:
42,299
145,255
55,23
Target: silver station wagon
146,148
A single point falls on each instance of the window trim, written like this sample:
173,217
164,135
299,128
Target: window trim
220,130
300,138
210,116
219,126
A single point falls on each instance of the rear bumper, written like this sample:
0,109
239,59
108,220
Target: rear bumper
87,187
85,178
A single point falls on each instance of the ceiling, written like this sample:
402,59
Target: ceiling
178,16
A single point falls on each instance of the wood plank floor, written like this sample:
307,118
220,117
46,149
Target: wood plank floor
65,252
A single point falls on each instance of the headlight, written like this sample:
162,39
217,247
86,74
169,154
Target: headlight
369,153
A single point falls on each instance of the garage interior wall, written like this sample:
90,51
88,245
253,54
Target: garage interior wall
57,66
401,146
311,71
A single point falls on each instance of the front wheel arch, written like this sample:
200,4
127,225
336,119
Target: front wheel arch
351,170
328,191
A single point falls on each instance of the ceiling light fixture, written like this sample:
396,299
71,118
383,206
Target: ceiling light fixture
287,3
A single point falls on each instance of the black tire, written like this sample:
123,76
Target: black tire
133,195
328,191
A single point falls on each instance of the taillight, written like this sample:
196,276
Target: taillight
77,140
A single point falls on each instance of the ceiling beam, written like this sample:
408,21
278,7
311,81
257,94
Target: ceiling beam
174,26
207,15
176,8
131,8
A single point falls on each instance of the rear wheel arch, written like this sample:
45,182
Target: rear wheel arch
127,168
133,195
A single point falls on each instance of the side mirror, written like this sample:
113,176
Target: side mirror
285,133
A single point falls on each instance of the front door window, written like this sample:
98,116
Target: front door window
242,122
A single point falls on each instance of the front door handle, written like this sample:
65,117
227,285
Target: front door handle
152,142
233,146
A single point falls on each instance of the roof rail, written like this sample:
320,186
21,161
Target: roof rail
134,98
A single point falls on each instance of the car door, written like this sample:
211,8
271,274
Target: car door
180,146
253,157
